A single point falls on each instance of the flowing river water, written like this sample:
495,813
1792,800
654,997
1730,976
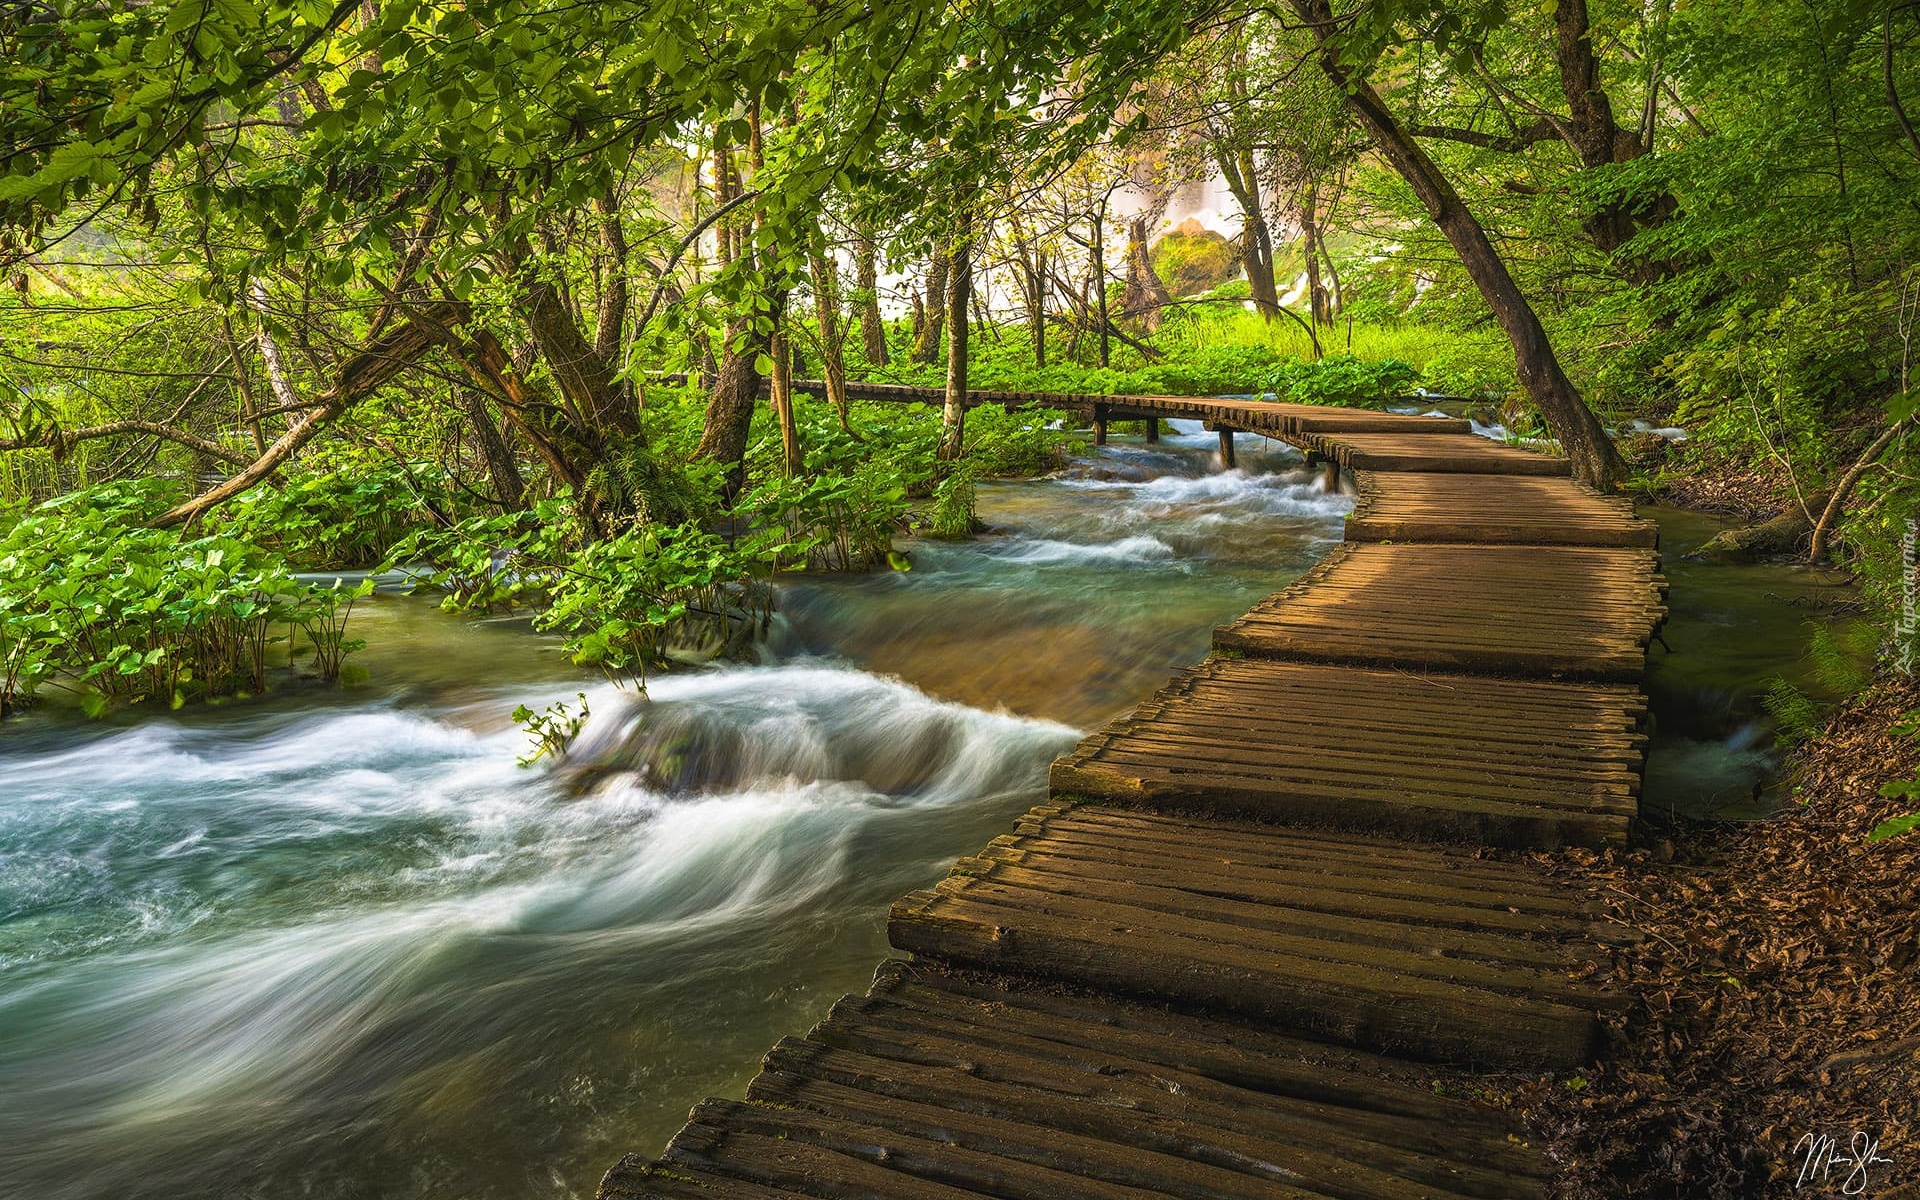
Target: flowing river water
337,944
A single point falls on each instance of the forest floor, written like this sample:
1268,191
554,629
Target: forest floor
1774,997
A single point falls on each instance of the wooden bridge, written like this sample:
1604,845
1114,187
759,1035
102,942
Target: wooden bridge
1219,962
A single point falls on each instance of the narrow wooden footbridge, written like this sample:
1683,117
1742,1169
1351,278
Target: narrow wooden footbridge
1223,959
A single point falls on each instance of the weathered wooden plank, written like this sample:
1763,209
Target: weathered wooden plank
1456,453
1113,1127
1439,507
1579,612
1410,953
1277,893
1134,832
1371,1007
1276,753
1386,812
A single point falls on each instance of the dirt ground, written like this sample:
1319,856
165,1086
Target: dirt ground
1775,1001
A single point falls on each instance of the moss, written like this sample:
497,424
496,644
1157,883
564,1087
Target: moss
1193,259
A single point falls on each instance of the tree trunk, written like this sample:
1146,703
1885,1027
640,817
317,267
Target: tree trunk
1600,141
873,327
1099,282
1256,238
1337,300
833,334
1823,528
1146,297
615,291
509,486
1319,309
780,395
284,397
358,378
730,405
926,341
953,417
1591,453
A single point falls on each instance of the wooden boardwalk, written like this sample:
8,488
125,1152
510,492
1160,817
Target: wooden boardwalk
1221,960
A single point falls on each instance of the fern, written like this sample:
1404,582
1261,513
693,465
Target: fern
1843,658
1796,715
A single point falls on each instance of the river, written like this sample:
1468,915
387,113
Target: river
338,944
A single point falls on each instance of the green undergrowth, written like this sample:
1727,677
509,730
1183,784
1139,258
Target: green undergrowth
97,605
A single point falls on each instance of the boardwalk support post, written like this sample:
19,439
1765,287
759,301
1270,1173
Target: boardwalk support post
1226,449
1099,424
1153,429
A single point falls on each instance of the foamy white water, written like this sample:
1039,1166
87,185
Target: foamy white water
340,945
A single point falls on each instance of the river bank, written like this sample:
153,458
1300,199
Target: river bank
1772,985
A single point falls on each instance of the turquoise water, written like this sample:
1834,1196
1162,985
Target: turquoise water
1731,631
337,944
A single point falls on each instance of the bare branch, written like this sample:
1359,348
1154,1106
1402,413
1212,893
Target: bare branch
61,441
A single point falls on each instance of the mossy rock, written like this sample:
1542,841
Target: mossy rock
1193,259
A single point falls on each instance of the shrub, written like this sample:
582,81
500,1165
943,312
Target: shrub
1343,379
97,603
833,521
344,517
626,603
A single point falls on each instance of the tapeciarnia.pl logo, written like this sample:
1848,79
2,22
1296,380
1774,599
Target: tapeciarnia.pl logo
1906,630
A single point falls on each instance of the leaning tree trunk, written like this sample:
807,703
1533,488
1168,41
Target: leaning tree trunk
1591,452
357,379
509,486
1823,528
730,405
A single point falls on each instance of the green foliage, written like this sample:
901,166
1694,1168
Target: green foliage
1017,445
100,605
341,518
628,603
1194,260
1343,379
1840,664
553,729
1796,715
830,521
1908,726
951,514
495,562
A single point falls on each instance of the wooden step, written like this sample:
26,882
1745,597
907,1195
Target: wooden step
1573,612
1413,506
938,1086
1449,757
1460,453
1432,976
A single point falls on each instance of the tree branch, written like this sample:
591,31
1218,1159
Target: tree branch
62,441
359,376
1512,143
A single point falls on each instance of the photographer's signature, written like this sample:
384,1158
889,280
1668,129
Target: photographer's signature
1823,1158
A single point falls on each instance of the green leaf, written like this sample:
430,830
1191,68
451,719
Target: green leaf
1893,827
1902,406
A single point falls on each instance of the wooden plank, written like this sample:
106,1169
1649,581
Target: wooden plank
1411,506
1565,612
1391,748
1458,453
1372,1006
